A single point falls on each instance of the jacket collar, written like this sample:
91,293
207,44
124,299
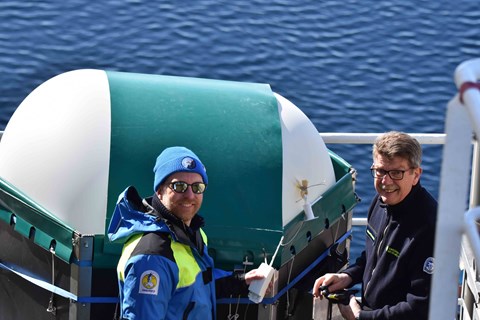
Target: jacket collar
405,203
189,235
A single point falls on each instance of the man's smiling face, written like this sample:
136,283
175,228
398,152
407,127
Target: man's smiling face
183,205
392,191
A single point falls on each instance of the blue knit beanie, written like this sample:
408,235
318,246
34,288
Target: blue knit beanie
177,159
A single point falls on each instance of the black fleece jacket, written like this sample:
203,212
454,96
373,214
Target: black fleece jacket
397,265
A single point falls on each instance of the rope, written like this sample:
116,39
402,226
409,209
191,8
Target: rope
51,307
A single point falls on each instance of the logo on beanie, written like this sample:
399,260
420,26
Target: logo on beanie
188,163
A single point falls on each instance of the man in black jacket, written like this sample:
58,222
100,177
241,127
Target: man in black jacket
396,267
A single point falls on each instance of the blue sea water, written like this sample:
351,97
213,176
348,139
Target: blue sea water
351,66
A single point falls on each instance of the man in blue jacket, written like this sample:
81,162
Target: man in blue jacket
397,265
165,271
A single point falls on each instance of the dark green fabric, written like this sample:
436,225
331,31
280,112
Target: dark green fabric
233,127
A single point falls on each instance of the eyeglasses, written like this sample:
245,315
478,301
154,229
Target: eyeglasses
393,174
182,186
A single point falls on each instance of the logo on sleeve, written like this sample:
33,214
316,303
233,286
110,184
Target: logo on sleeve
429,265
149,282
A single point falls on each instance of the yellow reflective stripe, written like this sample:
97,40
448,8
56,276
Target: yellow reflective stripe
393,251
186,263
204,236
126,253
188,268
370,234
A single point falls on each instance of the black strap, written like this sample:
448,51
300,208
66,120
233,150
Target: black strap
329,310
207,276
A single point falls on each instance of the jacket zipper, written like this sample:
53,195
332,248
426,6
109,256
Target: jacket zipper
187,311
379,249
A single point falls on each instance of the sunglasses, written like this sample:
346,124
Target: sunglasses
182,186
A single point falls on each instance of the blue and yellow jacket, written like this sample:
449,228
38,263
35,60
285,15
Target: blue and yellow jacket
165,271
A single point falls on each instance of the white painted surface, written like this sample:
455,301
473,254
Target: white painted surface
56,147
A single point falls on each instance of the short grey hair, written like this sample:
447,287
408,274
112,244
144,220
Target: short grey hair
398,144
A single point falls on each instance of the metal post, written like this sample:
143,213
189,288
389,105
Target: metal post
455,174
81,277
475,183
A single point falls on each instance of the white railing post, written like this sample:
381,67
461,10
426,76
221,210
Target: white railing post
471,229
455,174
475,183
462,120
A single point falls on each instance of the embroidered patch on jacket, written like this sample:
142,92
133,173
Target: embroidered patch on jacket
392,251
149,282
429,265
